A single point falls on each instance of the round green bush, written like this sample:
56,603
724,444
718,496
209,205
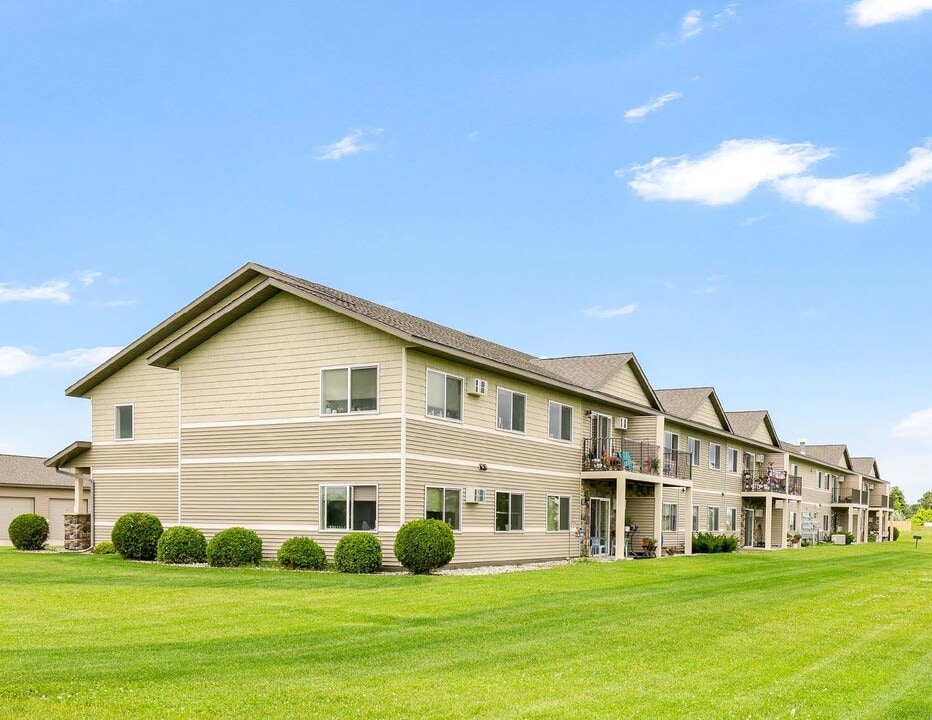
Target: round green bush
358,552
182,545
136,536
233,547
896,533
301,553
28,531
104,548
424,545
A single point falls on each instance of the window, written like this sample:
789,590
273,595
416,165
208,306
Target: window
715,456
123,421
561,421
731,519
695,518
509,511
669,517
819,479
558,513
444,395
713,519
344,390
825,523
443,504
671,441
732,460
511,407
793,521
694,447
348,507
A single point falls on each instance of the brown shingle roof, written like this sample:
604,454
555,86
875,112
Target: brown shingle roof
26,470
588,371
830,454
745,422
865,466
682,402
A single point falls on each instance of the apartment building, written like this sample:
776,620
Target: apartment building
291,408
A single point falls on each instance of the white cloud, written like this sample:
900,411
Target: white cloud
658,102
356,142
53,291
918,425
15,360
87,277
473,136
692,23
724,176
605,313
855,197
866,13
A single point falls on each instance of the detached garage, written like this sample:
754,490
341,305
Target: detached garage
28,486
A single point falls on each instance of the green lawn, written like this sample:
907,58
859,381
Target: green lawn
825,632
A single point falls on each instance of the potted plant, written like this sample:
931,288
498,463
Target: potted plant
654,465
649,544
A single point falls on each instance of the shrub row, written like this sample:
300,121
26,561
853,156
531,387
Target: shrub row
704,542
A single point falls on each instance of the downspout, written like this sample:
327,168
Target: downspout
90,479
404,433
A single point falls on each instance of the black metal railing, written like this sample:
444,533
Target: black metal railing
847,496
776,481
640,456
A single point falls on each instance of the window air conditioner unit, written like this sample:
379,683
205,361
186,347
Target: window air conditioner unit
475,495
759,459
621,423
479,387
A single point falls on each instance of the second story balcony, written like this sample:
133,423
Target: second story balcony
848,496
638,456
777,481
881,501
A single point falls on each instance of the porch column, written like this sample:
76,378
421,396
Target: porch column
78,491
688,540
768,521
850,518
620,536
785,523
658,518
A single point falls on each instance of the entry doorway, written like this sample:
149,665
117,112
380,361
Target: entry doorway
748,527
600,531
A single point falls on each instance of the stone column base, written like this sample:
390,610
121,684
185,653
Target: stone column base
77,531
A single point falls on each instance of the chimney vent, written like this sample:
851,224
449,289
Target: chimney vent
802,446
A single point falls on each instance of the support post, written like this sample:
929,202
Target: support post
658,518
620,507
688,540
768,522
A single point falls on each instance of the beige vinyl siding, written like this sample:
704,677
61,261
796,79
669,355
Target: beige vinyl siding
641,512
267,364
131,455
706,414
675,496
777,535
152,391
644,427
122,492
624,384
761,435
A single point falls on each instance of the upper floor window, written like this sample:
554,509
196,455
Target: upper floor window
511,410
732,460
348,507
123,422
694,445
671,441
715,456
561,421
819,479
349,390
444,395
443,504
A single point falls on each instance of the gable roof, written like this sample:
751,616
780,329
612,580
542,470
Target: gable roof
866,466
836,455
593,371
745,422
29,470
266,284
683,403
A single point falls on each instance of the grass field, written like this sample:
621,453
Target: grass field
824,632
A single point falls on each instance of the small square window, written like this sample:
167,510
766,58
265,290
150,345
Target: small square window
124,422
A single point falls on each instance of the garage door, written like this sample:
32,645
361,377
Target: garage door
10,507
57,509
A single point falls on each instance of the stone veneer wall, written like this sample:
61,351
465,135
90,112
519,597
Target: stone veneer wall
77,531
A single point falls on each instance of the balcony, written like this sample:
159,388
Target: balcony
776,482
844,496
618,454
881,501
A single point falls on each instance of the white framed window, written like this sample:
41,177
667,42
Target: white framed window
442,503
731,519
444,395
669,517
561,422
713,519
509,511
825,523
732,460
558,513
695,518
715,456
695,446
512,407
123,422
349,507
671,441
351,389
792,522
819,479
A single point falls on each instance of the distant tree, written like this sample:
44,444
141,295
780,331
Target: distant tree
900,505
923,515
925,502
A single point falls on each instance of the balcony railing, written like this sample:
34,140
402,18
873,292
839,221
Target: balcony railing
881,501
640,456
776,482
850,497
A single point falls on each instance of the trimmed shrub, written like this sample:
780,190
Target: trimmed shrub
358,552
136,536
28,531
849,538
896,533
104,548
301,553
424,545
234,547
704,542
182,545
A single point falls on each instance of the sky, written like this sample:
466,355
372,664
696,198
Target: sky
738,193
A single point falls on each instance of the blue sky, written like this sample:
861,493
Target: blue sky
740,194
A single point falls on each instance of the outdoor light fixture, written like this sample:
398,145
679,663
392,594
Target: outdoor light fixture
483,466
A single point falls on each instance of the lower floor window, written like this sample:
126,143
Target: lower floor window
695,518
731,519
558,512
348,507
509,511
669,517
443,504
713,519
825,523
